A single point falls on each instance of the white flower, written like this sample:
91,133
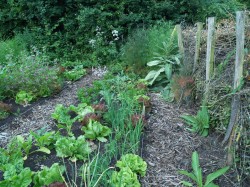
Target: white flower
92,42
115,33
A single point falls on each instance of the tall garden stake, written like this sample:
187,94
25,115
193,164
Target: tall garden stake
180,40
197,45
239,61
210,53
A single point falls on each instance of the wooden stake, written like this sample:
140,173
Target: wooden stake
197,45
210,53
180,40
238,74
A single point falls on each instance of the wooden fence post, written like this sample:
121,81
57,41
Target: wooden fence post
197,45
210,53
239,61
180,40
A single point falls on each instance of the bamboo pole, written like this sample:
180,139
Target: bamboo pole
197,45
210,53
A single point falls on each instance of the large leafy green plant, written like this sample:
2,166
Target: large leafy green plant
23,179
198,123
49,175
197,177
95,130
134,162
165,62
125,177
73,148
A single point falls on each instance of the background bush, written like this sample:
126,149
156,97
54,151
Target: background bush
64,28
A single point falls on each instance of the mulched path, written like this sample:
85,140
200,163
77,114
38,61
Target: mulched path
168,146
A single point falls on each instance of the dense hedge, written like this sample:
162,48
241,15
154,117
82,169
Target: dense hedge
68,25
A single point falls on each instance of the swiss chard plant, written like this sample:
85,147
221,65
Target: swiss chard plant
199,123
44,141
48,176
75,149
95,130
197,177
134,162
61,114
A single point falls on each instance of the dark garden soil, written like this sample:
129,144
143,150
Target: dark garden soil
166,145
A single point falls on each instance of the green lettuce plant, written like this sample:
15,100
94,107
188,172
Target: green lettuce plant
125,177
75,73
134,162
81,110
197,177
23,97
199,123
23,179
95,130
49,175
76,149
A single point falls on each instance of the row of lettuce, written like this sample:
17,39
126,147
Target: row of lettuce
102,134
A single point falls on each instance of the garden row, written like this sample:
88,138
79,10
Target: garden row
95,143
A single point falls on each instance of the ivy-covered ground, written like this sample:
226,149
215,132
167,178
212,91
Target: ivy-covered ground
166,145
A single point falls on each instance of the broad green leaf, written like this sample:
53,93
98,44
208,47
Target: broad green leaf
102,139
156,75
154,63
211,185
190,175
196,168
185,183
168,71
216,174
44,150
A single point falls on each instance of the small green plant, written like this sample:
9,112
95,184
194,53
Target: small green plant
44,141
23,97
73,148
81,110
199,123
49,175
125,177
134,162
61,114
197,177
95,130
75,74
